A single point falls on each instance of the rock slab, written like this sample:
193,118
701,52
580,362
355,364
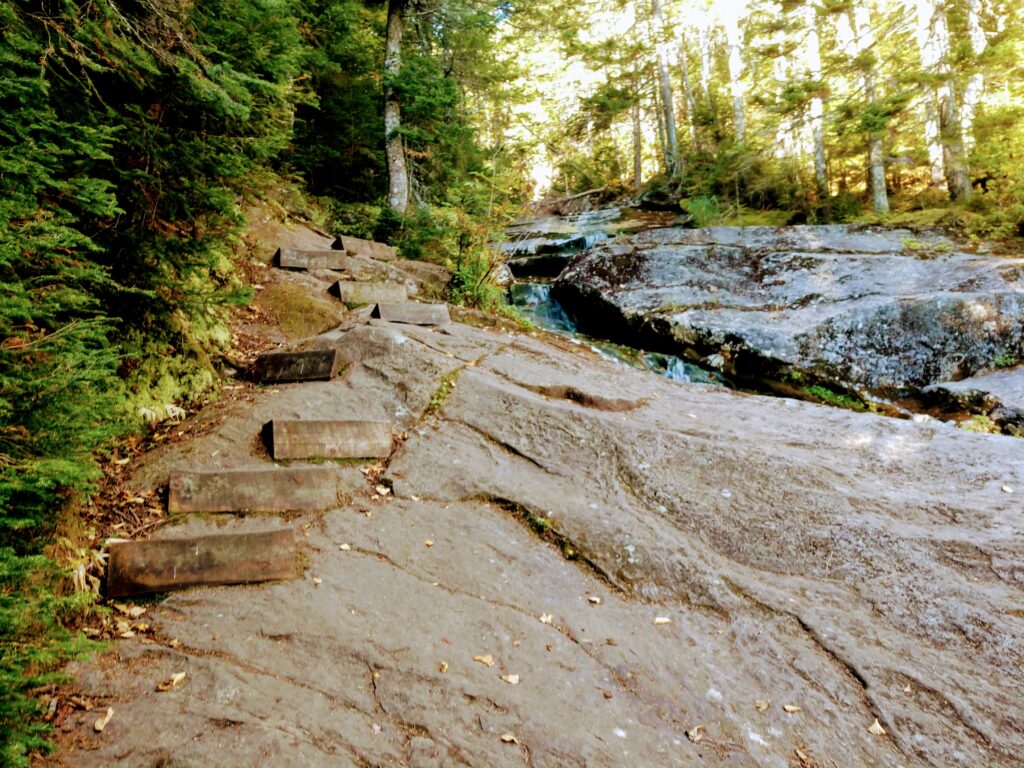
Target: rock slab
284,367
412,314
885,311
253,490
369,293
161,565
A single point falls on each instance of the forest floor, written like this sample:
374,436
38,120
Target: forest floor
568,562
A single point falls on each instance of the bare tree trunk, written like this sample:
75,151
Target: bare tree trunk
638,157
958,180
731,20
928,49
662,144
691,104
398,172
812,62
976,82
864,40
665,86
705,65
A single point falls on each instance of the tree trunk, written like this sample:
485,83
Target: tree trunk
928,50
665,86
864,40
638,158
812,57
976,82
691,104
731,20
958,180
398,172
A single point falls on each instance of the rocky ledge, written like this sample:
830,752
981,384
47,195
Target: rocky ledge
858,310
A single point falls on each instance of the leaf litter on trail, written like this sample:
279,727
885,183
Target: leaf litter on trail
876,728
511,679
486,659
172,682
101,723
791,708
509,738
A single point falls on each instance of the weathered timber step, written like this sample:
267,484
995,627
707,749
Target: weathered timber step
281,367
159,565
273,489
412,314
369,293
288,258
306,439
365,248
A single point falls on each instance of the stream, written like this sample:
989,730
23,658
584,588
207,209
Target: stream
540,248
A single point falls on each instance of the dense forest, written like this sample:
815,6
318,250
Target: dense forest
133,135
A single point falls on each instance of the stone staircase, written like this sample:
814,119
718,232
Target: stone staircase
164,564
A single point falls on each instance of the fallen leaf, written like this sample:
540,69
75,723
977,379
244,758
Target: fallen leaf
101,723
594,600
876,728
317,581
517,643
415,498
695,735
607,694
511,679
382,490
662,620
907,688
345,547
487,660
791,708
762,704
1007,489
121,462
443,667
172,682
428,543
546,618
508,738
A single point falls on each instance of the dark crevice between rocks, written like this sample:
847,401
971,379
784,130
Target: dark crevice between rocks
547,530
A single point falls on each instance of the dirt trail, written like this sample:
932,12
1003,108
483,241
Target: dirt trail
664,575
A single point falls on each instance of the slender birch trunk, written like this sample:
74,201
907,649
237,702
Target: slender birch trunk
864,40
976,82
958,180
928,51
812,59
731,21
398,172
691,103
638,158
665,86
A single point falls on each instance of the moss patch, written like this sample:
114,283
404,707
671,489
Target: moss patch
297,313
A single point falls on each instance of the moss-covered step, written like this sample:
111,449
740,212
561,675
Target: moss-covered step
412,314
274,489
352,292
283,367
306,439
159,565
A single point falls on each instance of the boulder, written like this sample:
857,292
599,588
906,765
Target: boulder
864,310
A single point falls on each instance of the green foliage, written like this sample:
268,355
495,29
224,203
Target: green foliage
33,644
831,397
704,210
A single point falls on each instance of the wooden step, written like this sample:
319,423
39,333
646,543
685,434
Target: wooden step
412,313
281,367
365,248
369,293
306,439
159,565
288,258
274,489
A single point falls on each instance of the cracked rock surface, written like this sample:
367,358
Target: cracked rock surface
885,311
700,558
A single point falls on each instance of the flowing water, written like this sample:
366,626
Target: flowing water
566,236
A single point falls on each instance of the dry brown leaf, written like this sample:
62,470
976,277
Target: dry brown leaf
594,600
695,734
876,728
382,490
487,660
762,704
345,547
317,581
511,679
791,708
428,543
546,618
101,723
662,620
508,738
172,682
443,667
